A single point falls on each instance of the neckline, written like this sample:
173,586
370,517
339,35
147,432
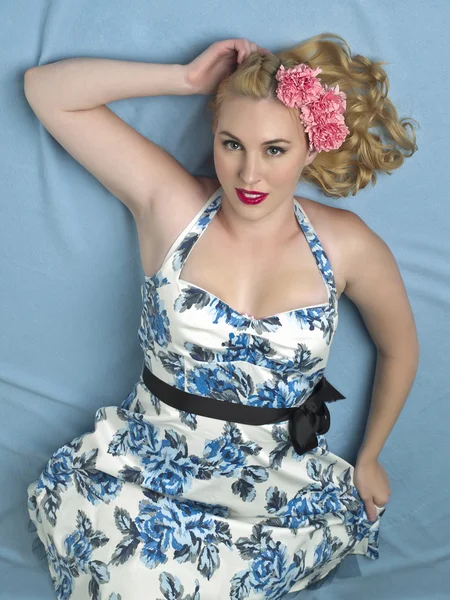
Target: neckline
309,233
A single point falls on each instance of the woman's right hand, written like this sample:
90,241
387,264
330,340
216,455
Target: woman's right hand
205,72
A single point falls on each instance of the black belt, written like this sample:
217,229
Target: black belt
305,420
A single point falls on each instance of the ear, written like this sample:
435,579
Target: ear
310,157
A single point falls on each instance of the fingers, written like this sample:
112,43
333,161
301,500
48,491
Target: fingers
247,48
373,509
264,50
244,50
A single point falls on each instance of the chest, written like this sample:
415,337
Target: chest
255,280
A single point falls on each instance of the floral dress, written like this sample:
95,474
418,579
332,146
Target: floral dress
163,504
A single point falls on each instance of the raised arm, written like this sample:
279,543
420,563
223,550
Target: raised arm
69,98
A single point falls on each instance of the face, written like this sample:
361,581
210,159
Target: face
243,158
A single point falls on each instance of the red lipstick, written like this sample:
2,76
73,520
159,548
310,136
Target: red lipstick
250,196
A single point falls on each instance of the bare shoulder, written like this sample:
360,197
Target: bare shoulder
335,228
370,276
351,245
367,272
340,225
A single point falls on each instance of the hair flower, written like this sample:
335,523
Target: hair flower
321,108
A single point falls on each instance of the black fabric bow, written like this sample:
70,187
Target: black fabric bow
312,417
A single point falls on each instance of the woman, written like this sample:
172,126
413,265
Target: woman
213,479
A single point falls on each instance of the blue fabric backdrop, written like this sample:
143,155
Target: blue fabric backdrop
71,273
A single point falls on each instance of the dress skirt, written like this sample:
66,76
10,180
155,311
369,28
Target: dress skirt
163,504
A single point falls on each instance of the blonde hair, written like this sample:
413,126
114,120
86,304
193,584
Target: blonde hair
350,168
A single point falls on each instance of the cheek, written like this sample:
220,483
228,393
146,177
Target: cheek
220,163
286,170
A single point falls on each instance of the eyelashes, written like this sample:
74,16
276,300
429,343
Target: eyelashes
281,150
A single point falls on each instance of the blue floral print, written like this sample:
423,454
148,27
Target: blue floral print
227,456
79,547
67,468
271,570
165,463
172,589
190,532
165,502
166,466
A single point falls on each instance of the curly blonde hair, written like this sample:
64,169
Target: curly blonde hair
350,168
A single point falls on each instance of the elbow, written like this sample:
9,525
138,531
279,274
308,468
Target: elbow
29,74
27,81
30,79
410,352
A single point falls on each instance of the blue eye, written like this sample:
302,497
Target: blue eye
280,150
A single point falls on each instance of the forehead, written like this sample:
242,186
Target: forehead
252,118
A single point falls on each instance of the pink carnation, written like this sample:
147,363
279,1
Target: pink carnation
329,136
321,107
324,122
331,101
298,85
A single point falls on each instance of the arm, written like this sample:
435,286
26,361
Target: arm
69,98
394,377
84,83
374,284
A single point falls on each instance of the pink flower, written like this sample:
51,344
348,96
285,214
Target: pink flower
321,107
331,101
298,85
328,136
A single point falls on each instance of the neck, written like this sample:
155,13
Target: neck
278,225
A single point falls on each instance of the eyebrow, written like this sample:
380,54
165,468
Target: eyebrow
263,144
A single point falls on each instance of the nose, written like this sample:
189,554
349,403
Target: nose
249,171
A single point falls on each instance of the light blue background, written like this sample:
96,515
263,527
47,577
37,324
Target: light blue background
71,273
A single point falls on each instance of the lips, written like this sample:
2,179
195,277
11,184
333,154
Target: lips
250,197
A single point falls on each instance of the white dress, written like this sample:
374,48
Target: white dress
164,504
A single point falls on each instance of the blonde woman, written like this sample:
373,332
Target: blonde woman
214,479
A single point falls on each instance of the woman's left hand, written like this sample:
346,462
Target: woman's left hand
372,483
205,72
